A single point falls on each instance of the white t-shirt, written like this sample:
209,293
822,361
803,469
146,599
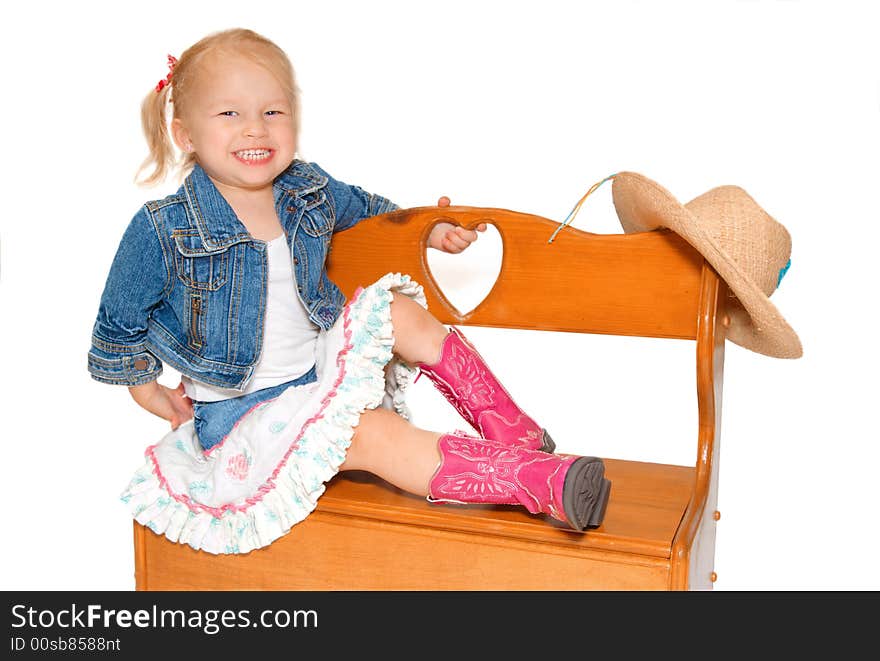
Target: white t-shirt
289,336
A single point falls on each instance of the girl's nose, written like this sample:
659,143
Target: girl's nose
255,128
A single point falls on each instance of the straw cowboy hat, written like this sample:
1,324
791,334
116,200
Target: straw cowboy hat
750,251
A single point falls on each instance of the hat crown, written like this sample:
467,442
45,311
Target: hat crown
758,244
748,249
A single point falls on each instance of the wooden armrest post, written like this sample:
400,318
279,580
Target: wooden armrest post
693,549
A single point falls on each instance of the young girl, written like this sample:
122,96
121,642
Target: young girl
285,382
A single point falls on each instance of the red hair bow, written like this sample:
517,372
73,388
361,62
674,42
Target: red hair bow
167,79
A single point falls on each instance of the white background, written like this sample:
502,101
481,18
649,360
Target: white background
507,104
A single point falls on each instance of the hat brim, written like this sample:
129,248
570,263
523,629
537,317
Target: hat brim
755,323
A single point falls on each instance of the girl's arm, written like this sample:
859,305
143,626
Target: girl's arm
135,284
138,279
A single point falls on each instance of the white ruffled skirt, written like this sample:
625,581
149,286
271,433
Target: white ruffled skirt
270,470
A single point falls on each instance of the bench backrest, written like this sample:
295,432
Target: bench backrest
646,284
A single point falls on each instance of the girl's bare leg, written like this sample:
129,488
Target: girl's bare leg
418,335
389,446
384,443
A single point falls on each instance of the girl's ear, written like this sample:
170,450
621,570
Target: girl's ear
181,136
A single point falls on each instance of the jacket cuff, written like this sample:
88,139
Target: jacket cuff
131,369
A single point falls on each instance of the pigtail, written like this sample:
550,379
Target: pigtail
155,125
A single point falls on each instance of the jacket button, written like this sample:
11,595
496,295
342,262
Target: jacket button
296,260
140,364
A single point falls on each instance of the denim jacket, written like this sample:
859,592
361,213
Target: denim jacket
188,283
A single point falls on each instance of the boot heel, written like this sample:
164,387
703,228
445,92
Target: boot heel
585,493
599,511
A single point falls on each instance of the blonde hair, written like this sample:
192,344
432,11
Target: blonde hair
154,108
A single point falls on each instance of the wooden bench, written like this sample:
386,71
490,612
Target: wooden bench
659,529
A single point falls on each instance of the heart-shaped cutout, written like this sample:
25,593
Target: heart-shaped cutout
466,278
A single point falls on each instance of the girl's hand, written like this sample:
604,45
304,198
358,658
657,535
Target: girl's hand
171,405
452,238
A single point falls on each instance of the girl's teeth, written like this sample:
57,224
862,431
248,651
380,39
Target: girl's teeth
253,154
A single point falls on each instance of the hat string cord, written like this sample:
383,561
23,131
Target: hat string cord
577,207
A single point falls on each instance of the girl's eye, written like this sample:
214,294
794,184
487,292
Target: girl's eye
273,112
229,113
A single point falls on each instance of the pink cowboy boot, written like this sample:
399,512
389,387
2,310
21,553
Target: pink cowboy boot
464,379
569,488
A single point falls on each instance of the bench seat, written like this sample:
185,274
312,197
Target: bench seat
477,547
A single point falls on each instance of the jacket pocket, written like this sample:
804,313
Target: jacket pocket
195,321
318,217
196,266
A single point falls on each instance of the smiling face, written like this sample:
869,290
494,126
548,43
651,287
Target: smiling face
239,123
